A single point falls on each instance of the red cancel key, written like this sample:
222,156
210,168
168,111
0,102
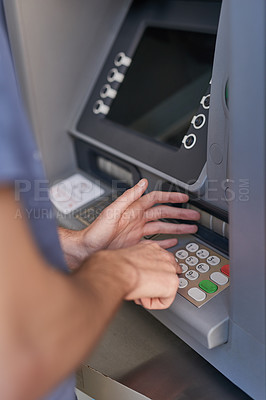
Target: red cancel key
226,269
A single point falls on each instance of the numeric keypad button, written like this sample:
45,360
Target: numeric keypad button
191,261
181,254
219,278
202,268
196,294
192,247
192,275
182,283
226,269
213,260
184,267
202,253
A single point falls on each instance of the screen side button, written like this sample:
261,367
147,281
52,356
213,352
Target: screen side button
198,121
189,141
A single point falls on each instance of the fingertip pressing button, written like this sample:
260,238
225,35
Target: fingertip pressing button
184,267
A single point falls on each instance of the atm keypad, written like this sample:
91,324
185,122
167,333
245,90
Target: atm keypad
205,273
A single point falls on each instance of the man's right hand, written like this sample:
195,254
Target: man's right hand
55,320
147,273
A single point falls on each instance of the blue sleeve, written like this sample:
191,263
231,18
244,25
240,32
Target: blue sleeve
13,123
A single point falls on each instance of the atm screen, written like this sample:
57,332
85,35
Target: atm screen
151,100
164,84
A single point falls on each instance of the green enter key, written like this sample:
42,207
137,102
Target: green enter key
208,286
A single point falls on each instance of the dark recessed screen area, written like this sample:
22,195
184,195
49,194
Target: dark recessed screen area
169,74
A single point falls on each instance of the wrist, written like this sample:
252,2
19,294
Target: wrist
73,246
109,268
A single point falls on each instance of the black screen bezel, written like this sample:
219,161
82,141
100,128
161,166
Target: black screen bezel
183,15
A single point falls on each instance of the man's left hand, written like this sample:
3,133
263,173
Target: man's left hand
127,220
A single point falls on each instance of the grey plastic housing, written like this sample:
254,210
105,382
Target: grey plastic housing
209,325
217,147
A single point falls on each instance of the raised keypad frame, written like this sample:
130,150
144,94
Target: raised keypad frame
202,276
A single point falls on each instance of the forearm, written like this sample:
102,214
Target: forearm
60,323
49,321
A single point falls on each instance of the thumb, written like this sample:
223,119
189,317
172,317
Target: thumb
130,196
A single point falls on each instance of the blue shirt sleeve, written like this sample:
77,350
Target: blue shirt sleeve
13,123
18,162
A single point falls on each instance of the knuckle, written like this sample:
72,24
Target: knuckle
171,258
158,212
146,242
155,246
148,214
152,196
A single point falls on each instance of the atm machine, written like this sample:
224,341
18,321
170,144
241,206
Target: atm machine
175,93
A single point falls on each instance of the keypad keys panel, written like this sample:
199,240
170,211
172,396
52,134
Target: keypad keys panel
205,273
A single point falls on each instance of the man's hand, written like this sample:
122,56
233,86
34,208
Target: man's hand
127,220
146,272
55,320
